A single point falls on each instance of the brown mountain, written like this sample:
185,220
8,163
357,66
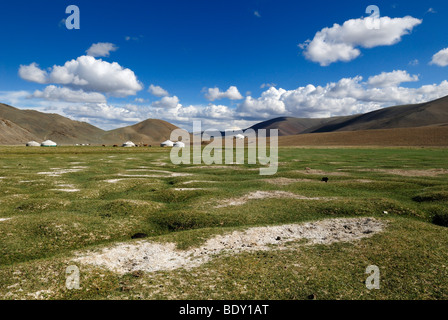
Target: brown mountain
43,126
10,133
291,126
430,136
406,116
150,131
20,126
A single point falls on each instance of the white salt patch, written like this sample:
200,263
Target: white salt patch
59,172
151,256
199,181
264,195
4,219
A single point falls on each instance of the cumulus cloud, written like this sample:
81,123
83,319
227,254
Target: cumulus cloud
157,91
215,94
267,85
88,74
167,103
101,49
342,42
440,58
33,73
345,97
394,78
54,93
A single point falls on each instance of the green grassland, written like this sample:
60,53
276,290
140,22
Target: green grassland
53,216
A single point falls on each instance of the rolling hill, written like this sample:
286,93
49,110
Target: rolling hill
406,116
20,126
291,126
43,126
430,136
150,131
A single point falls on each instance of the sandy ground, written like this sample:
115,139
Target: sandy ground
198,181
257,195
57,171
287,181
411,173
151,256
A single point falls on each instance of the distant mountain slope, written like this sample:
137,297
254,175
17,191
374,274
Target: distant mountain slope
407,116
430,136
10,133
43,126
150,131
20,126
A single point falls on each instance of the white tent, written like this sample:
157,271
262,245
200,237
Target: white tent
167,143
48,143
239,136
179,144
33,144
129,144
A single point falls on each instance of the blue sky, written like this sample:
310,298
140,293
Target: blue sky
190,47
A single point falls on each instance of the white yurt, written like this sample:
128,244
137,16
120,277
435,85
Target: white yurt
167,143
239,137
33,144
179,144
129,144
48,143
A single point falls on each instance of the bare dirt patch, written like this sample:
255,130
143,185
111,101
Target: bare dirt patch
286,181
320,172
257,195
151,257
159,174
57,172
198,181
411,173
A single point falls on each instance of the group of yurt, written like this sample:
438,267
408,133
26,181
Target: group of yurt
46,143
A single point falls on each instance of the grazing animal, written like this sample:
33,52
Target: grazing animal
325,179
104,145
115,146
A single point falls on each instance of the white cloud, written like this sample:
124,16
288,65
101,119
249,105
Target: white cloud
341,43
440,58
345,97
157,91
267,85
394,78
53,93
88,74
33,73
167,103
257,14
215,94
101,49
414,62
